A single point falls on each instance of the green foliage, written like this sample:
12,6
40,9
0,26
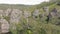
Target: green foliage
38,25
7,18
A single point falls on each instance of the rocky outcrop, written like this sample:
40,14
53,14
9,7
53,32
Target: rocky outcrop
4,26
7,12
27,14
15,15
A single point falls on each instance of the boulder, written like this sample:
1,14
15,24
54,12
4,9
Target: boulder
4,26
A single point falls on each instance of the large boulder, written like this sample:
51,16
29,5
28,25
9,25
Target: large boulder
4,26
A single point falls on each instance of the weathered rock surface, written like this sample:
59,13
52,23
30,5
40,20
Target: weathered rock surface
27,14
4,26
35,13
7,12
54,12
15,16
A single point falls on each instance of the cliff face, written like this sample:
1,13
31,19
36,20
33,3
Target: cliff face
13,18
10,16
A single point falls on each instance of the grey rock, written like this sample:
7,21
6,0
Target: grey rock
54,12
36,12
27,14
4,26
15,16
